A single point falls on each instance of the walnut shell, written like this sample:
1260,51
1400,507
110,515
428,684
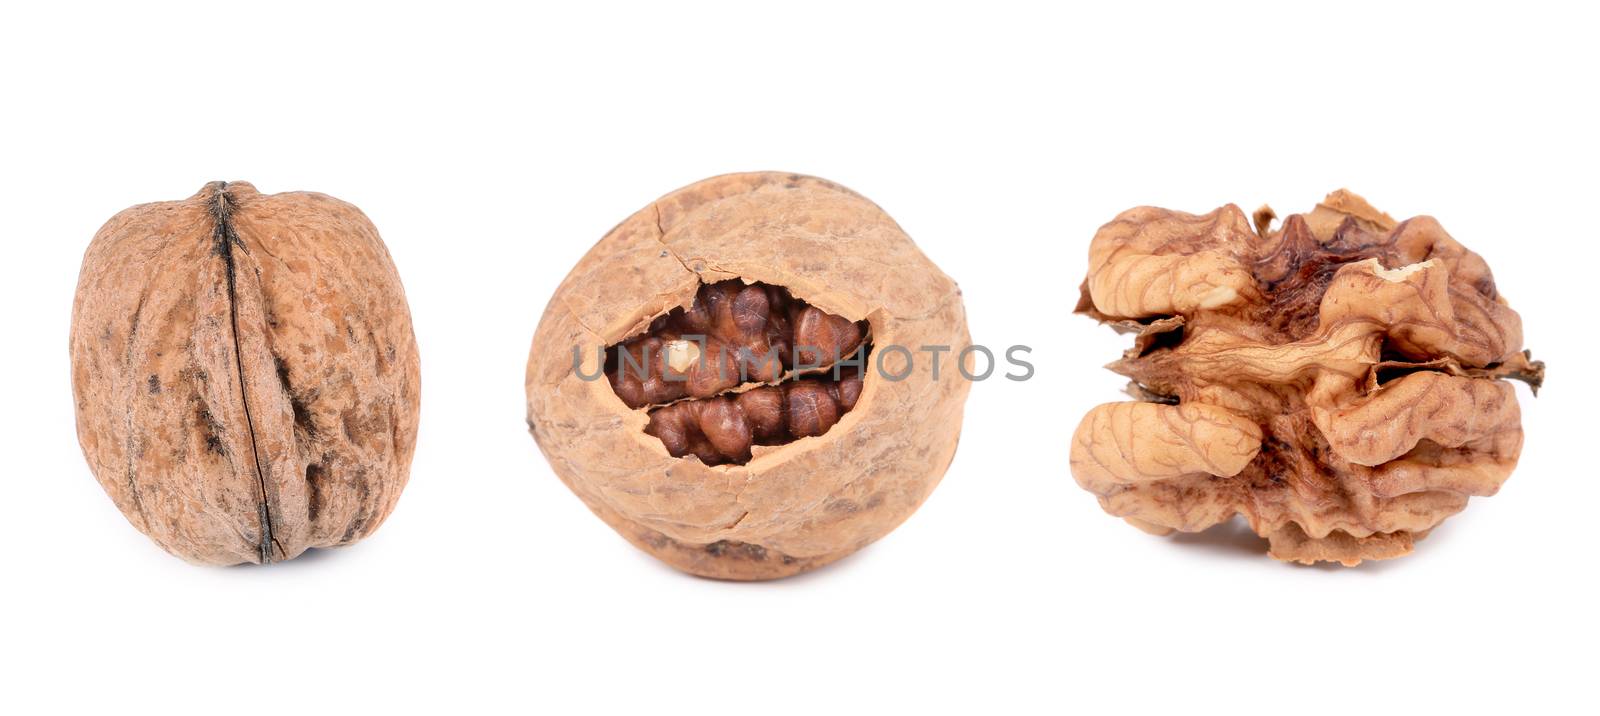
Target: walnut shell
794,506
1339,381
245,373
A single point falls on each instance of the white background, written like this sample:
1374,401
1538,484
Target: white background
493,145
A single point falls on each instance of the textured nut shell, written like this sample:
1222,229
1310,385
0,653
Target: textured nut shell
792,507
245,412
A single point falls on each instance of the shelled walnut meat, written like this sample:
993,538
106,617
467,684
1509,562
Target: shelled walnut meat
245,373
1338,381
742,428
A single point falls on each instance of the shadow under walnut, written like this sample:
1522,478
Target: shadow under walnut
1339,382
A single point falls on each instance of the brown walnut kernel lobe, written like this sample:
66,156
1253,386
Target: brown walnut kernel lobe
742,365
1338,381
722,429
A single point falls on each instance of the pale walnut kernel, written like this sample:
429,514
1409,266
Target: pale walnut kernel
1338,381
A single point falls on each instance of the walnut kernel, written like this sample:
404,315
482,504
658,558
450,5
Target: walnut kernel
1338,381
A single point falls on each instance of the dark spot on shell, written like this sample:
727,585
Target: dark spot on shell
656,540
314,477
211,428
844,506
352,426
303,422
736,550
363,493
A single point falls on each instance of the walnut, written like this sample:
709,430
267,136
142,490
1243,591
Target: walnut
751,432
245,373
1339,381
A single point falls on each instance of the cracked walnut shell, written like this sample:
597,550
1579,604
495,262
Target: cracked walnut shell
782,467
245,373
1338,381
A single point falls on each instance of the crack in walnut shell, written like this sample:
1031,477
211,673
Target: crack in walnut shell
1338,382
694,367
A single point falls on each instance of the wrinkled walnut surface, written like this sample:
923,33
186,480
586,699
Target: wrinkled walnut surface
706,355
794,506
245,373
1338,381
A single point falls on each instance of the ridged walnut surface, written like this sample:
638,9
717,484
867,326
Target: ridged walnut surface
792,507
245,373
1339,381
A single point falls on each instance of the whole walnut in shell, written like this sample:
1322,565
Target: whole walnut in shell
1337,381
744,427
245,373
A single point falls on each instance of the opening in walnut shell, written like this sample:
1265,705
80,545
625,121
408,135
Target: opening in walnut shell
819,492
744,366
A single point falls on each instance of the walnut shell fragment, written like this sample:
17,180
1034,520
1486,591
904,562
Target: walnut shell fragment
1339,382
771,472
245,373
